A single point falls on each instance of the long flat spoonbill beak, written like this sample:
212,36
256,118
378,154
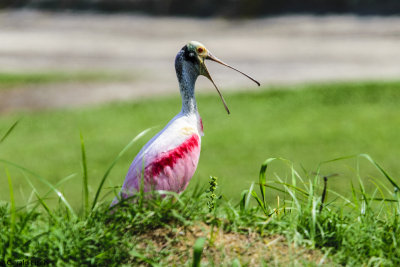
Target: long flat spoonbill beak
207,74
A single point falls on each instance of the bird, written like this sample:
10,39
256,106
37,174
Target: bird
169,160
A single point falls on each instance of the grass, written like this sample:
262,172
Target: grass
290,215
10,80
182,230
307,126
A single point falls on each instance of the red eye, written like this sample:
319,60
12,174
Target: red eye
200,50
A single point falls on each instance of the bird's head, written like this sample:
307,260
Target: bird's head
196,53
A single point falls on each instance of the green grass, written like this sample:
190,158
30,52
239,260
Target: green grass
165,231
308,125
275,216
10,80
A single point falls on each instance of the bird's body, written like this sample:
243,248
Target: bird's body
169,160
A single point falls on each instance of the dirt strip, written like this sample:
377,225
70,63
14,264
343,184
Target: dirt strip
278,50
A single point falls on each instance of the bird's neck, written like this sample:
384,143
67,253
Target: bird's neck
187,81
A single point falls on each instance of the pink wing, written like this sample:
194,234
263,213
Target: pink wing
170,170
169,160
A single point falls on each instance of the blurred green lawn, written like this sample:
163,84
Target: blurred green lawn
10,80
308,125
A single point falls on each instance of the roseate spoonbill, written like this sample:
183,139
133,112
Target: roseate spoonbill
169,160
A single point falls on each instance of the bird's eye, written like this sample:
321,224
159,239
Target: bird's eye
200,50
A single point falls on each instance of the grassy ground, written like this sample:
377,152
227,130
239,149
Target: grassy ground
308,125
281,224
202,227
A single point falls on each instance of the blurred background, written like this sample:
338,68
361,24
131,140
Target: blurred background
133,44
208,8
106,69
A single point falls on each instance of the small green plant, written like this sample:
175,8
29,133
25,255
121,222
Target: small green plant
211,204
212,197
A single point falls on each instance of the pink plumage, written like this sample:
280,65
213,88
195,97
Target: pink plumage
169,160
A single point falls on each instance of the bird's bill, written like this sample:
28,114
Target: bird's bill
207,74
211,57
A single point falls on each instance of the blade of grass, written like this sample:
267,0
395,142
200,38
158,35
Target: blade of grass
12,225
323,194
378,188
242,202
260,202
368,157
364,200
65,179
246,204
40,200
85,178
263,177
44,205
382,199
381,185
354,195
336,159
348,201
43,180
298,189
170,193
142,257
9,131
198,251
292,195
